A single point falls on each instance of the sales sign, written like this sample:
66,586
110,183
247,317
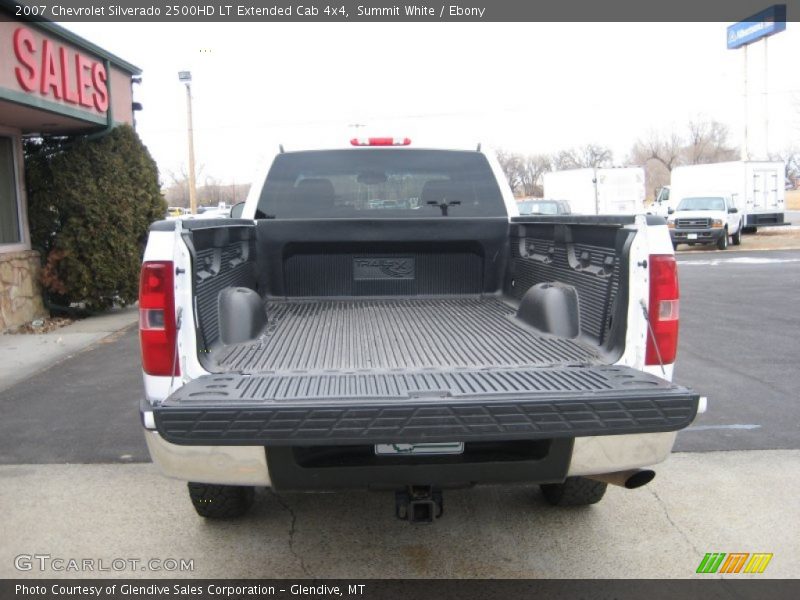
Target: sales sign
765,23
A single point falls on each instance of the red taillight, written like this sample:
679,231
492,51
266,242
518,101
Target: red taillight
664,309
380,141
157,332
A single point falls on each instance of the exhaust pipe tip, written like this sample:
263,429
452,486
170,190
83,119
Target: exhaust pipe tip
639,478
630,480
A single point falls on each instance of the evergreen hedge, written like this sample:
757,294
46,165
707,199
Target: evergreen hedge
90,203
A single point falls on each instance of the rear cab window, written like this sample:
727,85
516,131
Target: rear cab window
377,183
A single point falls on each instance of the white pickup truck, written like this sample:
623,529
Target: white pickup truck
706,218
378,316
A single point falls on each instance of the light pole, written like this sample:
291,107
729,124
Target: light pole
186,78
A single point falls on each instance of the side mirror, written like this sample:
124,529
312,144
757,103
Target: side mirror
670,210
733,210
236,210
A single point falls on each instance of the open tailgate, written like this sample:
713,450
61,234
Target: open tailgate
305,409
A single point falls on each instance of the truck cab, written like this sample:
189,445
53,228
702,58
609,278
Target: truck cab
706,218
661,205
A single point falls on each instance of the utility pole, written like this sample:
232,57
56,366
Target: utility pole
763,24
186,78
745,152
766,100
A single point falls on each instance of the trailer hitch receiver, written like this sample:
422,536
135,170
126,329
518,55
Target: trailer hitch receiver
418,504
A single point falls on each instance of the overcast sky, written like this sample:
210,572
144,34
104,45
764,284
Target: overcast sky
529,87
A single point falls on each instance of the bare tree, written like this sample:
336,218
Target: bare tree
707,142
511,164
791,159
176,188
595,156
211,193
564,159
533,167
665,150
658,155
588,156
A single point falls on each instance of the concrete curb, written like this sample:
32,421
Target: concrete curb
27,354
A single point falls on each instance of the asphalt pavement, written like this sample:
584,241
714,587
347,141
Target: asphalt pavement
740,347
82,410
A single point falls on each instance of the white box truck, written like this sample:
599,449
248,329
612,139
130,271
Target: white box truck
757,188
612,191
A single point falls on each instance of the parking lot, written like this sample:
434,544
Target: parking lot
76,481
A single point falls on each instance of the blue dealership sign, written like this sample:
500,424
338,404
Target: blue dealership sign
768,22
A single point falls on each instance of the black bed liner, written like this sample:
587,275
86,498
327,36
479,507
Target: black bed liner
370,370
471,332
454,405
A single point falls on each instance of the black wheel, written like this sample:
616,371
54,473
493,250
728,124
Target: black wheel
220,501
722,242
575,491
737,237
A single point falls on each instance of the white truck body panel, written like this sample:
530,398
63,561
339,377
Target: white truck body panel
614,191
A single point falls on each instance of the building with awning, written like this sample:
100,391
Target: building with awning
52,82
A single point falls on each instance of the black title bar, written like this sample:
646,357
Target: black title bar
243,11
391,589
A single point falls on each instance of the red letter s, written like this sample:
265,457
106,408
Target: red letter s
99,78
24,49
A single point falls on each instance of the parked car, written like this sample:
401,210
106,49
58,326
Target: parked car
176,211
543,207
323,343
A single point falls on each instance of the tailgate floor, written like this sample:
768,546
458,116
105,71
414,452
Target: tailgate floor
397,335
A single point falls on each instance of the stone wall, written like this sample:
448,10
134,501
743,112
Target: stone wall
20,293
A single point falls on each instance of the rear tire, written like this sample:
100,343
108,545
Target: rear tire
722,242
220,501
737,237
575,491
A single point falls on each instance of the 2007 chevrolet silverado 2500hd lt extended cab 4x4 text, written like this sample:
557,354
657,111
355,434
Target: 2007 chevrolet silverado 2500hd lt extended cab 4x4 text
382,318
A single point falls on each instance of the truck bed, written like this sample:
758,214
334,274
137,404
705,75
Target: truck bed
398,334
400,331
